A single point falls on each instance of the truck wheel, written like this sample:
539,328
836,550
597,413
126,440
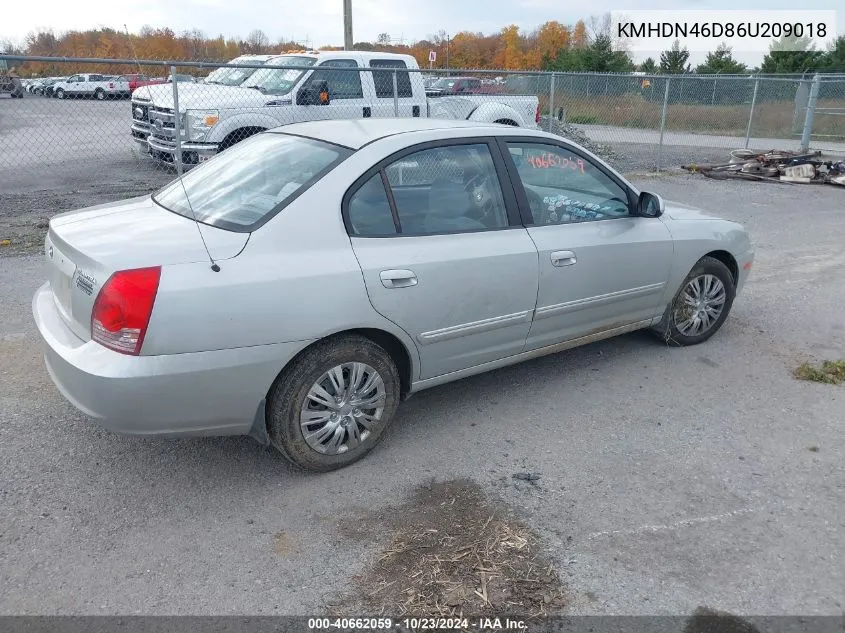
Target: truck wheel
100,94
60,94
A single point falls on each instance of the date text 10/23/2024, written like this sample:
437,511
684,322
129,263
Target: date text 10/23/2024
483,625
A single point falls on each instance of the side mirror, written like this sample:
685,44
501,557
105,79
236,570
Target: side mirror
314,93
650,205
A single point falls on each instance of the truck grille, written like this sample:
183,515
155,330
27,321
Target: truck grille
140,111
162,123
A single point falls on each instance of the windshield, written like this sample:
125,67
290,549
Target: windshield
228,76
279,81
247,184
443,83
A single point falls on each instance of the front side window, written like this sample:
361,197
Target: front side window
384,79
447,189
563,187
343,84
279,81
251,181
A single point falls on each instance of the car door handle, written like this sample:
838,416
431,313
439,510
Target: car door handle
398,278
563,258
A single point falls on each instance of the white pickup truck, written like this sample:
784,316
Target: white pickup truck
288,90
87,85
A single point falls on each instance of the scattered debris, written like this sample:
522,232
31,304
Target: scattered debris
813,449
529,477
452,552
569,131
775,166
5,242
831,372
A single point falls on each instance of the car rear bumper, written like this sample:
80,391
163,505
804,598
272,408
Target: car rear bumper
202,393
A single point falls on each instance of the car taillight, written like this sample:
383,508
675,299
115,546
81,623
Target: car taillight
111,85
537,114
123,307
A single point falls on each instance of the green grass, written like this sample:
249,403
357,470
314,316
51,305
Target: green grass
583,119
831,372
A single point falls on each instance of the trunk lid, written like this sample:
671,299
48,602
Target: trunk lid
83,248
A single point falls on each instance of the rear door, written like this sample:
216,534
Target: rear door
385,104
443,252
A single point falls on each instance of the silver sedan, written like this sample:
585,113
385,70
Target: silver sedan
301,284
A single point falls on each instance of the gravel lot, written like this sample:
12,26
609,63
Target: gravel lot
669,478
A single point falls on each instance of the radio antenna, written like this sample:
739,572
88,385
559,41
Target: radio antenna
178,160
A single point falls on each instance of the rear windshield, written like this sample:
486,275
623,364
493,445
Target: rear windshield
249,183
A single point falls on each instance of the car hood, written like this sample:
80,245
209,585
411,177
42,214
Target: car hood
681,211
138,232
203,96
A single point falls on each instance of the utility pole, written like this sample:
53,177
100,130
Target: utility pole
347,25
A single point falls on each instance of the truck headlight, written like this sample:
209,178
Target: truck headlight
199,122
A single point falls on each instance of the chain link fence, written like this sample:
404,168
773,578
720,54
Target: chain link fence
130,125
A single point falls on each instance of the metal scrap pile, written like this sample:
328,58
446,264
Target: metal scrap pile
776,166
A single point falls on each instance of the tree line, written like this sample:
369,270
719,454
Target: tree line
551,46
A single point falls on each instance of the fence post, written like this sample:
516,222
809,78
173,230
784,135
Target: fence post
663,123
551,101
395,95
810,114
177,123
751,114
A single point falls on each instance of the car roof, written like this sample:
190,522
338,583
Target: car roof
355,133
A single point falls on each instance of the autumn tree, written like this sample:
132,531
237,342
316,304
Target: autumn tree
257,42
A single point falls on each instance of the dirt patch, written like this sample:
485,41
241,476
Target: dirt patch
831,372
452,553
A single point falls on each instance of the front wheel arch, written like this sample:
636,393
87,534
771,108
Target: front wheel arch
236,136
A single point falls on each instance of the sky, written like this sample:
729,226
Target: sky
321,21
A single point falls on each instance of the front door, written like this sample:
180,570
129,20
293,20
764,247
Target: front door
444,255
601,266
346,94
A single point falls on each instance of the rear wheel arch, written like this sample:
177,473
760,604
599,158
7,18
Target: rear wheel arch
395,348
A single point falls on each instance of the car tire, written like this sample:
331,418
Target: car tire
60,94
290,405
99,94
711,284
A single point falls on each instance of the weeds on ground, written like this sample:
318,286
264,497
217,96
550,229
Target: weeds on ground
831,372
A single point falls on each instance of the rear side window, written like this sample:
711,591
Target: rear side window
384,79
95,78
343,84
369,210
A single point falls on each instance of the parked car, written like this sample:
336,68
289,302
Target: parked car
454,86
81,85
125,85
45,86
224,76
345,265
286,91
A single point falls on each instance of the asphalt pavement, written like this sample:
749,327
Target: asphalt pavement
668,478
